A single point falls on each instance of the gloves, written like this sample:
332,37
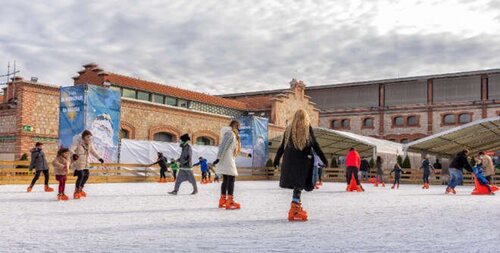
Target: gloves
216,161
75,157
101,160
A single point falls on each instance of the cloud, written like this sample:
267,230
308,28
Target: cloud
234,46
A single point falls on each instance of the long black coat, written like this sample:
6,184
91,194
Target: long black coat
297,166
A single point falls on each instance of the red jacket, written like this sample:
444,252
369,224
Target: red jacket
353,159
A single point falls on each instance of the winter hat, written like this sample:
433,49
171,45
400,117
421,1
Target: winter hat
185,138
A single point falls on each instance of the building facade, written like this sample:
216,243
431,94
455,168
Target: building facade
404,109
29,111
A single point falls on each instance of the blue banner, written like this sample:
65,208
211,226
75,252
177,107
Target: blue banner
254,138
103,120
71,114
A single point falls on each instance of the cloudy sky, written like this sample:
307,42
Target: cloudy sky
234,46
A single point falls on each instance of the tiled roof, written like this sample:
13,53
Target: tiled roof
257,102
130,82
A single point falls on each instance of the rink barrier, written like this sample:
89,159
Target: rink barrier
16,172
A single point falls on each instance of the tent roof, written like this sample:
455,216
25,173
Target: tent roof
334,142
479,135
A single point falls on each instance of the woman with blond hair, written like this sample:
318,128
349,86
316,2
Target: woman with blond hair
297,150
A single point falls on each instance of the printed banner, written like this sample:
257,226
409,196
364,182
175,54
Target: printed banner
254,139
71,114
103,120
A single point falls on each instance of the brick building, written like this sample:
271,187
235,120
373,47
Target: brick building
403,109
29,111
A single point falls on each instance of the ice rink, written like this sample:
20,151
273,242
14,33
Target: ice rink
141,217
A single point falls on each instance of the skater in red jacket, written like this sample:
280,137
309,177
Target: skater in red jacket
352,163
297,167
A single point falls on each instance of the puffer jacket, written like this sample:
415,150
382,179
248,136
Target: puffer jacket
83,151
61,166
38,160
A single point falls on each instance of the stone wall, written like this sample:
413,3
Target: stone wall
285,105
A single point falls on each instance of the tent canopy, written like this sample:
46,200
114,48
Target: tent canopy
338,143
480,135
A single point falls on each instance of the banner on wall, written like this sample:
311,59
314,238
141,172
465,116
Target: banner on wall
254,140
94,108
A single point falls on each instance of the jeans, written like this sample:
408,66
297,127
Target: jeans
380,178
364,175
315,175
425,177
456,177
81,178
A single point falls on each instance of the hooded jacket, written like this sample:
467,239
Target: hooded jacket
38,160
353,159
61,166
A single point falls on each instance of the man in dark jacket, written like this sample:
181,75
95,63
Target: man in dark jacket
365,169
186,166
459,163
39,163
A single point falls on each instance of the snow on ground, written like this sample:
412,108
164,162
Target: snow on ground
141,217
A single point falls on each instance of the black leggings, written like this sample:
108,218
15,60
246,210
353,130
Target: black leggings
296,195
227,186
396,180
350,172
204,175
174,173
426,177
37,176
162,173
81,178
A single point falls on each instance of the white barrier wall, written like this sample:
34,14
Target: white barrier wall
145,152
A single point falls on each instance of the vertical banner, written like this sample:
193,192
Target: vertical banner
254,140
260,141
103,120
71,114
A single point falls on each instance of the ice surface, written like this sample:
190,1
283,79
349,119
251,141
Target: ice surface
141,217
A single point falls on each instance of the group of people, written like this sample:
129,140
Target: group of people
299,157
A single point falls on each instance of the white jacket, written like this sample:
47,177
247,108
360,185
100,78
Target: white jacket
227,147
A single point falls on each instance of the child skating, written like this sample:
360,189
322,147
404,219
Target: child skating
162,161
39,163
203,163
426,168
175,168
185,163
82,150
61,166
297,167
379,179
397,175
225,164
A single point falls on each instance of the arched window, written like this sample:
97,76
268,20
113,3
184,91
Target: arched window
464,118
412,121
398,121
204,141
449,119
335,124
124,134
163,136
368,123
346,123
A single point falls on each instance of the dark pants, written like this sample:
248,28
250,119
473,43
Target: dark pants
350,172
227,186
37,176
185,175
81,178
396,180
162,173
489,178
209,175
296,195
320,173
62,183
204,175
426,177
174,173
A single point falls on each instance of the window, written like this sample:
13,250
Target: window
162,136
183,103
143,96
335,124
449,119
398,121
124,134
116,88
368,123
128,93
346,123
171,101
464,118
160,99
412,121
204,141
